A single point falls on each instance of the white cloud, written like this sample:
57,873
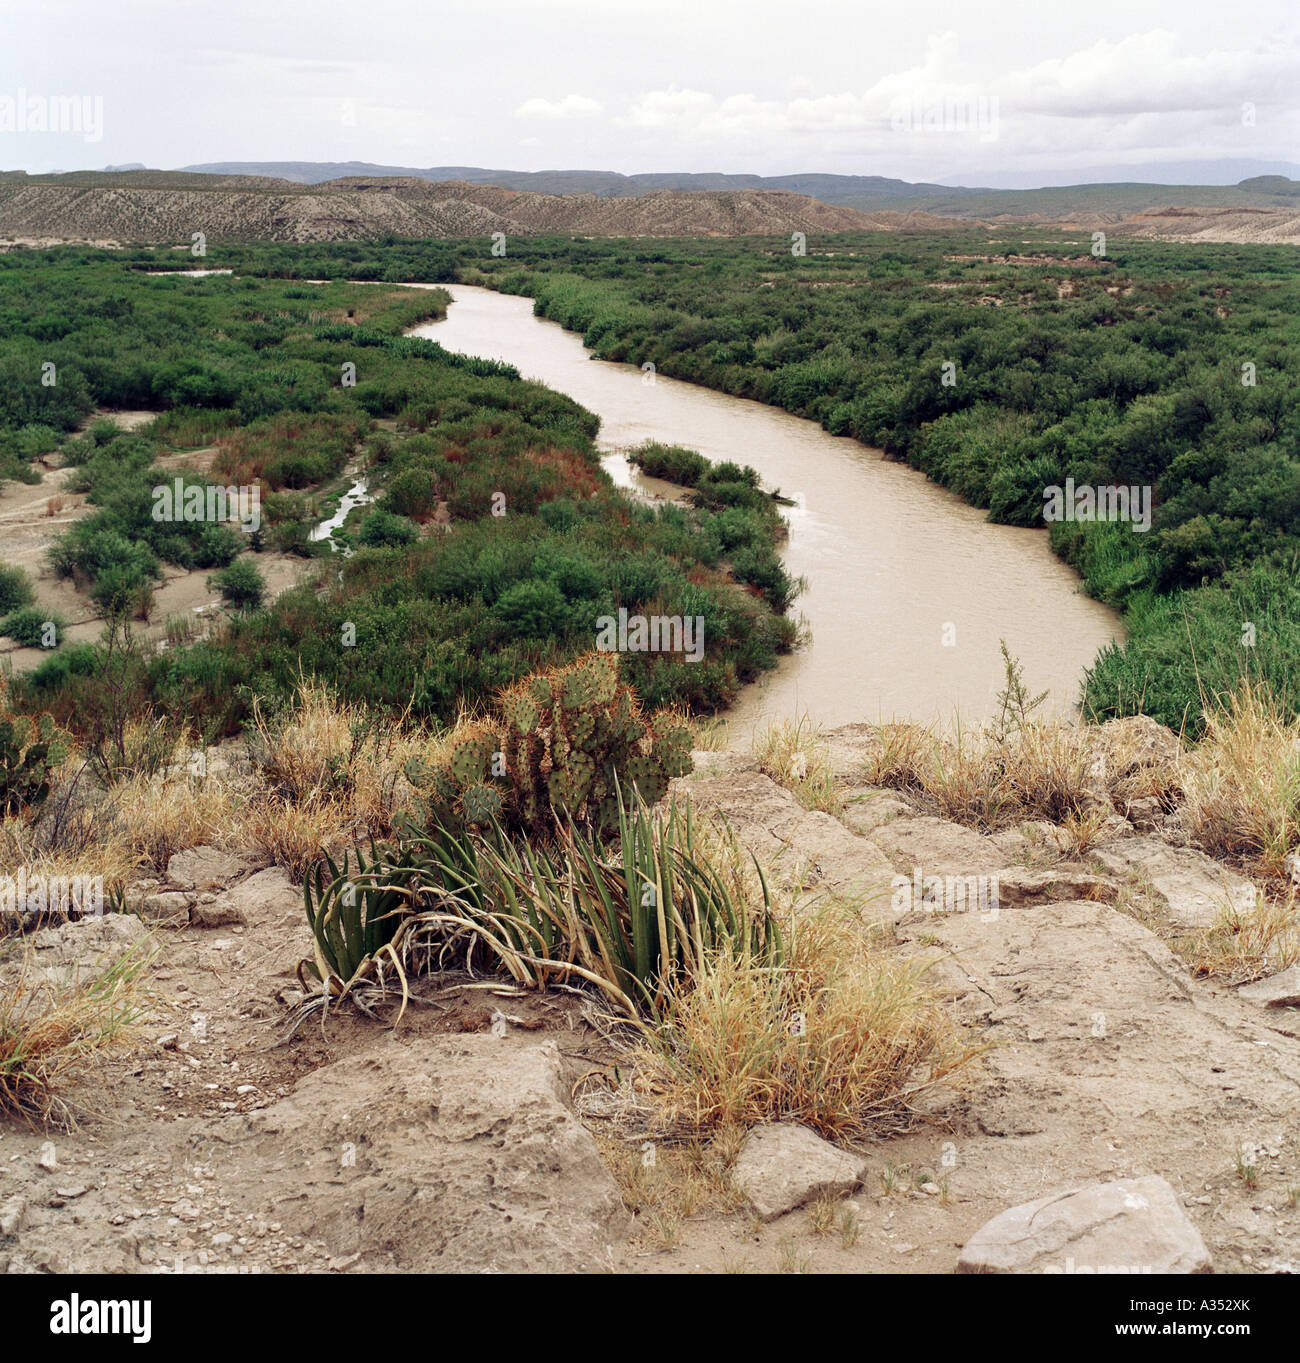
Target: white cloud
1143,91
571,106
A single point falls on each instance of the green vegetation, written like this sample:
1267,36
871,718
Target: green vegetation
241,585
638,924
1169,366
31,627
30,748
15,588
565,742
496,543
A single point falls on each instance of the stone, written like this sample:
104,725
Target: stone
1194,888
1132,1225
13,1212
447,1154
169,909
101,940
804,849
1277,991
782,1166
206,868
937,847
1019,887
220,913
866,810
269,893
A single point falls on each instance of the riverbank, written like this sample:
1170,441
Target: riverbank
908,590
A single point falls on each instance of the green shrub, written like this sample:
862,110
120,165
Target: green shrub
15,588
381,529
31,627
240,584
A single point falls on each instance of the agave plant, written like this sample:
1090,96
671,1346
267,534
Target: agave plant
356,920
636,923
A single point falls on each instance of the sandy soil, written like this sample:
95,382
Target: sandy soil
30,523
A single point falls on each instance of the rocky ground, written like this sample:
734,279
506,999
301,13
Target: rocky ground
1104,1126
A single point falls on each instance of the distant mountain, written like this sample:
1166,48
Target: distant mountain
163,205
1111,201
154,206
605,183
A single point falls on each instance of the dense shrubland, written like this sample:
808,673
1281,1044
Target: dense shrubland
1126,370
495,543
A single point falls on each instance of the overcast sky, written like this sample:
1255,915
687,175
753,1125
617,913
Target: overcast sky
928,91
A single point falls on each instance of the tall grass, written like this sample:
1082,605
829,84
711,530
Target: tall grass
844,1038
52,1032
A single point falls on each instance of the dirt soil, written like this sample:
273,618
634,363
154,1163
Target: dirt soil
31,518
1107,1059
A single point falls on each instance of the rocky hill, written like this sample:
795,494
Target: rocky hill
143,207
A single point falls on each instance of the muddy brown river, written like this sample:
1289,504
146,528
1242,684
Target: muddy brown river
908,589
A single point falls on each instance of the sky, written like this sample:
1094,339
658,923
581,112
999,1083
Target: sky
951,92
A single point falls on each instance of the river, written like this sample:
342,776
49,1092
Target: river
908,589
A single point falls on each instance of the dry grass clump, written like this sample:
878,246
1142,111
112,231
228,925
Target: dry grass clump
1242,782
294,835
1247,943
51,1033
841,1038
665,1184
1074,776
794,754
157,816
327,753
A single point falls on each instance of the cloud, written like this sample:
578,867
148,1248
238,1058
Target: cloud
1142,75
571,106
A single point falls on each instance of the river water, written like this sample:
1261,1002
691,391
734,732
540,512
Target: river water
908,589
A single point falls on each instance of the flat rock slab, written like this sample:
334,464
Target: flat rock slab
1019,886
206,868
100,940
1277,991
937,847
783,1165
446,1154
804,848
1195,888
1134,1225
866,810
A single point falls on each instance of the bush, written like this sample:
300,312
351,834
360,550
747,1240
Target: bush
241,585
532,610
381,530
31,627
568,740
15,588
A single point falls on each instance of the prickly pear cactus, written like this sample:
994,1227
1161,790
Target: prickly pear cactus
563,742
30,749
